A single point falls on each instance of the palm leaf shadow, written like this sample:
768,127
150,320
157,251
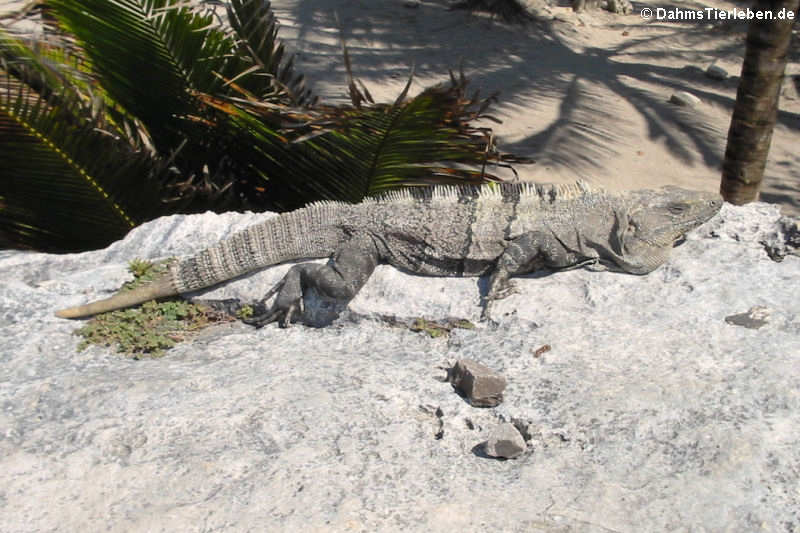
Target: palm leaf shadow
539,62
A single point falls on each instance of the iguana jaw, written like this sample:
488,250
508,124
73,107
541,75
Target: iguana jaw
664,223
646,233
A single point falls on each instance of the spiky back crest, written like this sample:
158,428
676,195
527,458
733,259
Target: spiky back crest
547,193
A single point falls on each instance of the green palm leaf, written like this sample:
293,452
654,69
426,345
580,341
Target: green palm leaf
153,56
269,76
148,55
67,184
347,153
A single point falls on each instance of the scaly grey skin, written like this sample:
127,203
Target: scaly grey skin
501,230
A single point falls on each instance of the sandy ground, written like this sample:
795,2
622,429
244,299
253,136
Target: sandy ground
586,96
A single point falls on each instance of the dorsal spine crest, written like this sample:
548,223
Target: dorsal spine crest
550,193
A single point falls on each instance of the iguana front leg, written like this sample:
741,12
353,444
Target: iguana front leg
340,280
526,253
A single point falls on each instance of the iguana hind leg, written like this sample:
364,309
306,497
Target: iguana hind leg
340,280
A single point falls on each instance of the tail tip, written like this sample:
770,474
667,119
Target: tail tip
66,313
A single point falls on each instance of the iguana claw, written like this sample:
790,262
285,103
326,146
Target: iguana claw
282,316
280,311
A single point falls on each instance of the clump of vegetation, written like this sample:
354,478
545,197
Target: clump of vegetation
246,311
148,330
153,327
433,328
440,328
144,272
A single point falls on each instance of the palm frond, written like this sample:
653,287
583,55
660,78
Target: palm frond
347,153
256,29
152,57
67,184
147,56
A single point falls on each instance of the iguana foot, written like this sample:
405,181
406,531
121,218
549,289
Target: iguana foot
282,316
500,287
288,302
503,290
337,281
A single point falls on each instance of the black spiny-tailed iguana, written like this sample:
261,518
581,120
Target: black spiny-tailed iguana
501,230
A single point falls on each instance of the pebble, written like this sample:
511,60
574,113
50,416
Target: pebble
756,317
715,72
505,441
479,384
685,99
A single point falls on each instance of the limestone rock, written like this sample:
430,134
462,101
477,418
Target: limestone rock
650,411
618,7
784,240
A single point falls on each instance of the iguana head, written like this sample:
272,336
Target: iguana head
654,220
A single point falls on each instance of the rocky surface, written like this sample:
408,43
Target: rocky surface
648,413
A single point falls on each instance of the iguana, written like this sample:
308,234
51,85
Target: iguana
500,229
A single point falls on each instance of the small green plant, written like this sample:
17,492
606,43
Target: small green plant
246,311
150,329
144,271
432,328
153,327
440,328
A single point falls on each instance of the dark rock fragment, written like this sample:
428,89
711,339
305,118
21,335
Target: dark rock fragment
480,385
715,72
755,318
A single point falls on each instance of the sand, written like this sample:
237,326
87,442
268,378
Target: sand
586,96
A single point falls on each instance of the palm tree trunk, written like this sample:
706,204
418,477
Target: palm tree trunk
757,101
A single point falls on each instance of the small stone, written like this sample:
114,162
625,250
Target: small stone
505,441
619,7
683,98
479,384
755,318
715,72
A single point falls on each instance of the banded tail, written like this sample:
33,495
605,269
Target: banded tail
307,233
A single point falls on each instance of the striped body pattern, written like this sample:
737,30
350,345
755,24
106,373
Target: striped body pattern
301,234
435,231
